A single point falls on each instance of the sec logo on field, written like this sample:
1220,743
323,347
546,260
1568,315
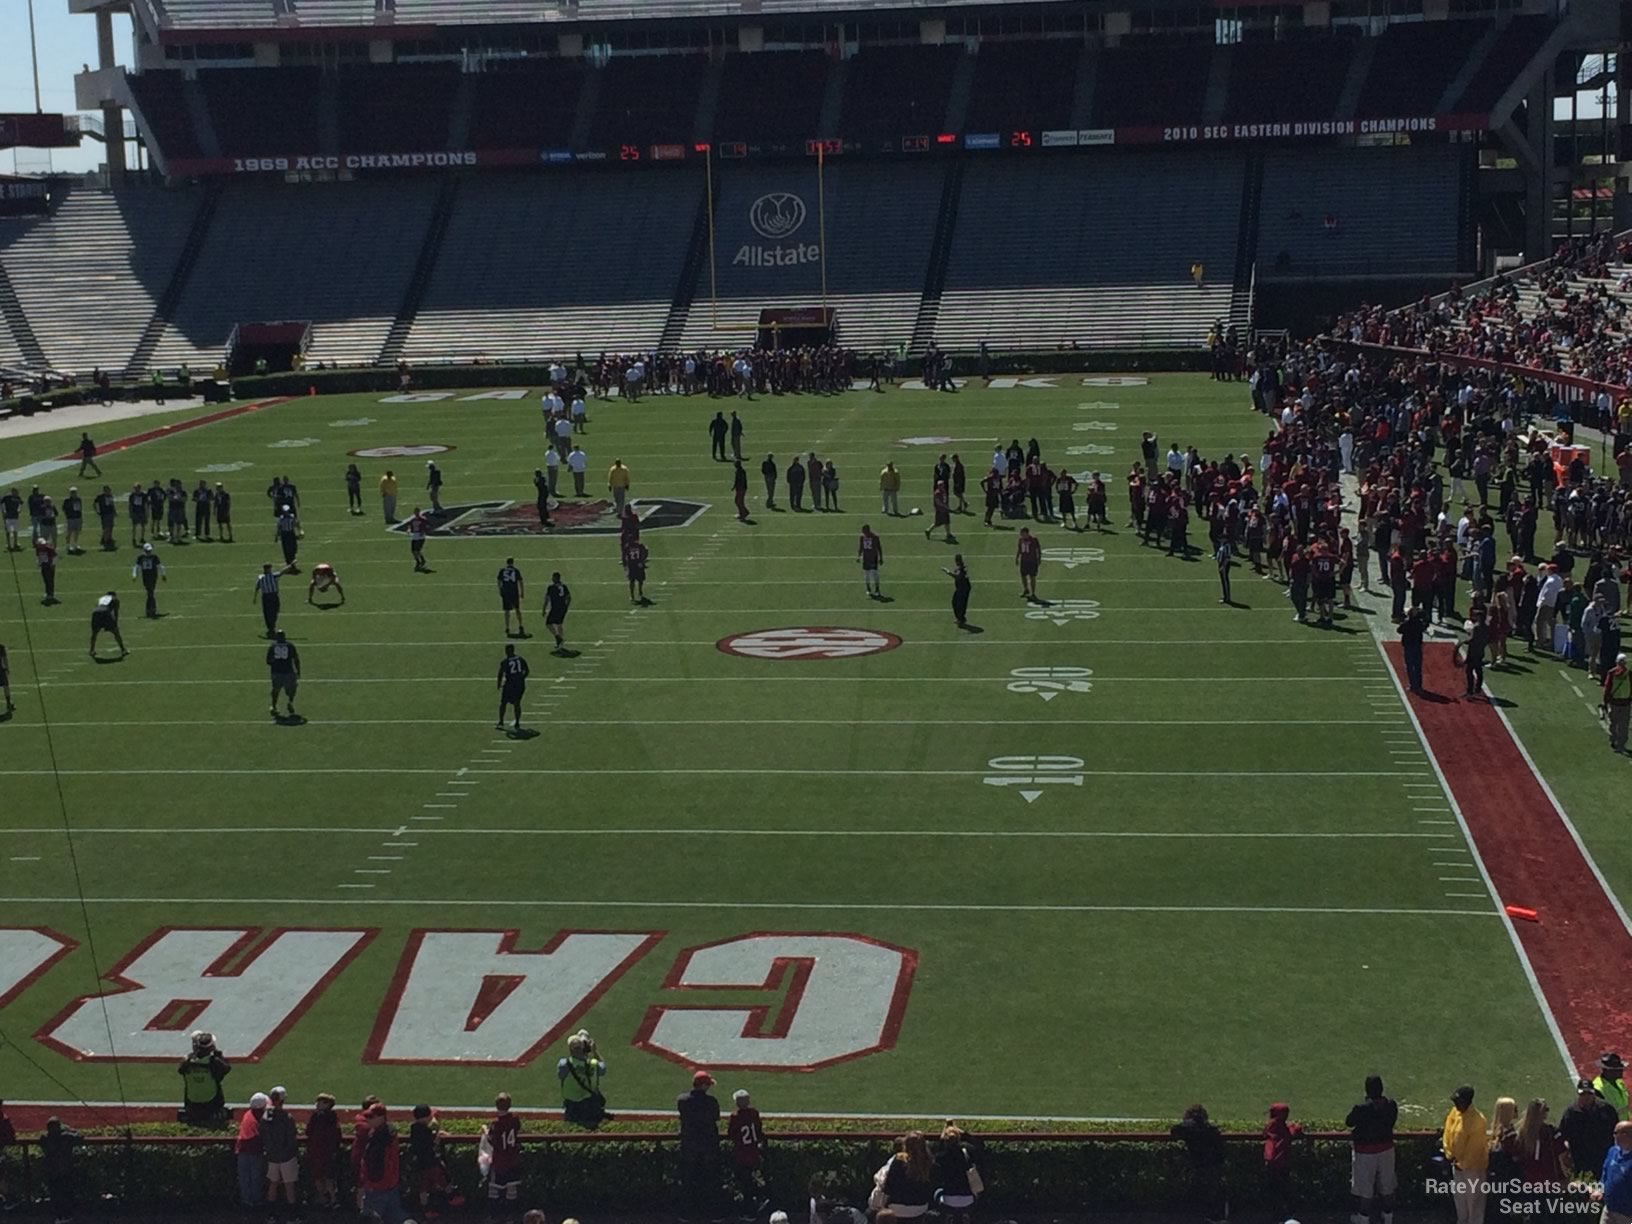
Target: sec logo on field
399,452
801,642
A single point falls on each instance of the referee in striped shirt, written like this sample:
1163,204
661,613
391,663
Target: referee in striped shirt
266,590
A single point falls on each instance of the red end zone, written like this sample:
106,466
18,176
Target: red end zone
175,427
1580,949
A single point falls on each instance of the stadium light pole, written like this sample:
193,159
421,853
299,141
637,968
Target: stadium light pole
34,54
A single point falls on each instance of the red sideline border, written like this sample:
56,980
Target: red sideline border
176,427
1580,950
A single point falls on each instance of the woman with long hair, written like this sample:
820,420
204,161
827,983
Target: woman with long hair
1544,1163
909,1182
956,1176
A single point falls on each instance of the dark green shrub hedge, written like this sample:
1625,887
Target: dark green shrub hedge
613,1174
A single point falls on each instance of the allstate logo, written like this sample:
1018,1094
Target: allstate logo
777,215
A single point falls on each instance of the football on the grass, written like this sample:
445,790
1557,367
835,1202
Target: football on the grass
915,510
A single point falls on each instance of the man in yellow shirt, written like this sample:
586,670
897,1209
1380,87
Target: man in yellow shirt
617,482
1467,1146
388,495
889,488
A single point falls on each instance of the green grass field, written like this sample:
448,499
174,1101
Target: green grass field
1239,899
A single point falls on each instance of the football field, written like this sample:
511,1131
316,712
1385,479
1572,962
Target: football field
1098,858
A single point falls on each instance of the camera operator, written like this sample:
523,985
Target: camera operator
580,1072
203,1102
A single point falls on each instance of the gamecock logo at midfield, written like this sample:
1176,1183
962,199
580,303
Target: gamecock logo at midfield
777,215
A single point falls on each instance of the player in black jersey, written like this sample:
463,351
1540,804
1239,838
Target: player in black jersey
512,685
105,619
283,661
150,569
557,599
11,505
107,513
512,590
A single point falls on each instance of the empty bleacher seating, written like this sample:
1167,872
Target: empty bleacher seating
396,108
337,255
89,276
1414,66
215,14
486,11
1331,212
1026,85
333,12
538,265
646,100
1151,85
890,92
1288,81
526,103
880,224
771,96
1518,42
282,120
1094,251
159,97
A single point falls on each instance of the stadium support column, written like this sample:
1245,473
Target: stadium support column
113,116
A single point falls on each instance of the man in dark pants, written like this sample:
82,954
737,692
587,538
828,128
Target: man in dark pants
1412,628
541,482
87,455
266,591
1473,656
699,1149
1588,1127
961,587
150,569
717,429
736,437
1225,556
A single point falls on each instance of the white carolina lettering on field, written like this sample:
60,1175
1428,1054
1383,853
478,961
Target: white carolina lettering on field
1064,611
1008,384
472,996
25,953
417,397
1100,426
1073,557
293,443
238,983
843,997
1091,448
1116,380
1032,772
495,395
1049,682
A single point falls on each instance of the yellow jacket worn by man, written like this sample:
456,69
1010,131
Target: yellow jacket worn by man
1468,1148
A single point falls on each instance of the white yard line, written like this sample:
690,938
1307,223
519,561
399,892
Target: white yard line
728,773
823,906
739,831
902,723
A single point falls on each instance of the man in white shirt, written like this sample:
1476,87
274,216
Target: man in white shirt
552,404
580,414
563,435
578,462
552,468
1552,588
1000,461
1175,459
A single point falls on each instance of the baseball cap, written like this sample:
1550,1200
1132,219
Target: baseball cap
147,548
741,1094
1585,1085
1463,1095
702,1079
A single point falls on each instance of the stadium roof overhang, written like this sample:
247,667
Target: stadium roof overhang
400,20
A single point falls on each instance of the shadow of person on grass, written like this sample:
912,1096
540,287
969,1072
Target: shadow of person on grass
289,720
107,658
523,733
971,627
565,652
1433,698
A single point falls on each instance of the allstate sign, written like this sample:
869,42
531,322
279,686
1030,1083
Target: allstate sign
777,216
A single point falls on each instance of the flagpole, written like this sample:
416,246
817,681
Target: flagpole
713,275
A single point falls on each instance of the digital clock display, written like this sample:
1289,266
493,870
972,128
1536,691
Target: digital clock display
1019,140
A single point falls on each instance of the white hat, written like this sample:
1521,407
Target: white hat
280,1092
147,548
259,1101
741,1094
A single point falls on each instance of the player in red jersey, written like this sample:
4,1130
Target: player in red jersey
1066,488
503,1139
324,579
634,565
943,515
1323,582
747,1151
870,553
1028,555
